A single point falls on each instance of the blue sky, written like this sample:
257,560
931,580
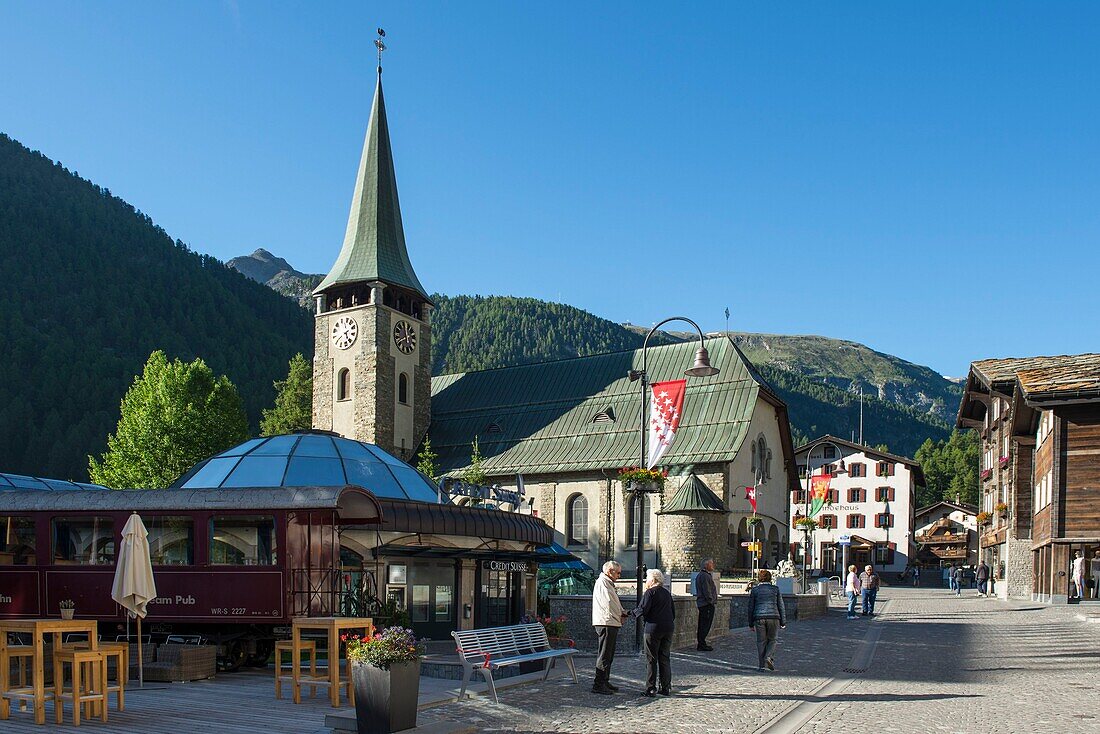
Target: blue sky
919,177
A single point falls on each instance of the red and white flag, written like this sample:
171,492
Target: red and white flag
666,408
750,495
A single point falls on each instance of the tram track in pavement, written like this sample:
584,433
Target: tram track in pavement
799,714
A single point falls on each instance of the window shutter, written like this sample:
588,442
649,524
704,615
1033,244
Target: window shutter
890,492
878,521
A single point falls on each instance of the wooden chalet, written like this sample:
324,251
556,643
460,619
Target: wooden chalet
1039,419
945,533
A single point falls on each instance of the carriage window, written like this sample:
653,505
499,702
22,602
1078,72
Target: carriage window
86,541
171,540
243,540
17,541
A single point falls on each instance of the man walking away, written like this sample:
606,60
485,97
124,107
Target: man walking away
916,576
957,580
869,583
767,617
607,618
706,597
982,574
851,588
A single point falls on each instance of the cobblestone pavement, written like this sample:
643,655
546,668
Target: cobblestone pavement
940,664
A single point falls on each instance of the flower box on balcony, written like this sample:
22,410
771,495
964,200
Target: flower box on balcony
986,474
1003,461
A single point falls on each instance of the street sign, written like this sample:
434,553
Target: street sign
844,540
745,544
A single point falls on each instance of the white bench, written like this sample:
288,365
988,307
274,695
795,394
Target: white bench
487,650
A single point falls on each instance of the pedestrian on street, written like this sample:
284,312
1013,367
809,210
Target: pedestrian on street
659,614
957,580
868,584
767,616
851,588
706,597
982,574
607,618
916,576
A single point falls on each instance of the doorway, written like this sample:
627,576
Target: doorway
499,599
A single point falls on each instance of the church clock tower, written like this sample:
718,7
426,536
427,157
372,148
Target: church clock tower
372,339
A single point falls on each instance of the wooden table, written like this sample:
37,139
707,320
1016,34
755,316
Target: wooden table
334,626
38,629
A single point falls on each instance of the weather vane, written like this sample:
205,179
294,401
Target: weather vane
381,47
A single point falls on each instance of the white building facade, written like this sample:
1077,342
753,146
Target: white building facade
868,517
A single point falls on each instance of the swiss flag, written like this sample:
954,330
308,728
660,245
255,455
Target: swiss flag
665,410
750,495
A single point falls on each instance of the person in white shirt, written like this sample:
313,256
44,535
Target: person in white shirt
607,618
852,589
1079,574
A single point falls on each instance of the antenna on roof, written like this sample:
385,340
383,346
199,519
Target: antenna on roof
381,47
861,415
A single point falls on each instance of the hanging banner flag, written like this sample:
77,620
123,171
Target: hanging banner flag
750,495
819,492
666,407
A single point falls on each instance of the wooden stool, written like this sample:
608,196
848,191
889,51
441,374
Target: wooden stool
287,646
89,682
22,653
121,652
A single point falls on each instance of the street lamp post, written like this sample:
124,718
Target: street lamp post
701,368
808,540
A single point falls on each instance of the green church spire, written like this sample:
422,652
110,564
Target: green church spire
374,244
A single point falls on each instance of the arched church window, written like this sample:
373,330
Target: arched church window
639,510
576,514
403,389
343,384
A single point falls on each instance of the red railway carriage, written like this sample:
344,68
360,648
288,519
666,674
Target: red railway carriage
231,566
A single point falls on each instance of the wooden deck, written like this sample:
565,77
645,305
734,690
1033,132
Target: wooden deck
230,703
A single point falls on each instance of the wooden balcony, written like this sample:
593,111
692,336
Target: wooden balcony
952,553
942,538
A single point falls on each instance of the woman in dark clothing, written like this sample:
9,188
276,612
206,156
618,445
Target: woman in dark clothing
767,617
660,620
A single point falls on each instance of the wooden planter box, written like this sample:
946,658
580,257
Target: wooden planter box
386,700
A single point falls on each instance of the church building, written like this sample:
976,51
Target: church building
560,431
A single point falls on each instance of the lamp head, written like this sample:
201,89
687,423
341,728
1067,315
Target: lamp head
702,367
840,468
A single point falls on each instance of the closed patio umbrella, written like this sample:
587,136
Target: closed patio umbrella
134,587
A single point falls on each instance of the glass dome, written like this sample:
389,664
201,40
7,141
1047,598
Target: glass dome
18,481
310,460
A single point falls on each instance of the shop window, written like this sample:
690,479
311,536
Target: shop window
639,510
884,555
243,540
403,389
85,541
343,384
17,541
576,514
171,540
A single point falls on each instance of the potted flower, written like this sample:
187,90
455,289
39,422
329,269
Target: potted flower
983,518
636,479
555,629
386,674
805,523
1002,509
68,608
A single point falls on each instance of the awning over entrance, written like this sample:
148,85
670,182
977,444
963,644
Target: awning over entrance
566,560
448,519
493,554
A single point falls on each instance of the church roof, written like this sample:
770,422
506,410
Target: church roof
374,243
553,417
693,496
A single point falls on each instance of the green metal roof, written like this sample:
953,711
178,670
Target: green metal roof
693,496
543,413
374,244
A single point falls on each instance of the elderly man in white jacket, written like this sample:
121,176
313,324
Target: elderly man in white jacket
607,618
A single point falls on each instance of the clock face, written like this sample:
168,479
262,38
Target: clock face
344,332
404,336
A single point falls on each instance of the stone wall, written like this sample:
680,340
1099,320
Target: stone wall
322,375
796,606
1019,572
578,613
688,539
